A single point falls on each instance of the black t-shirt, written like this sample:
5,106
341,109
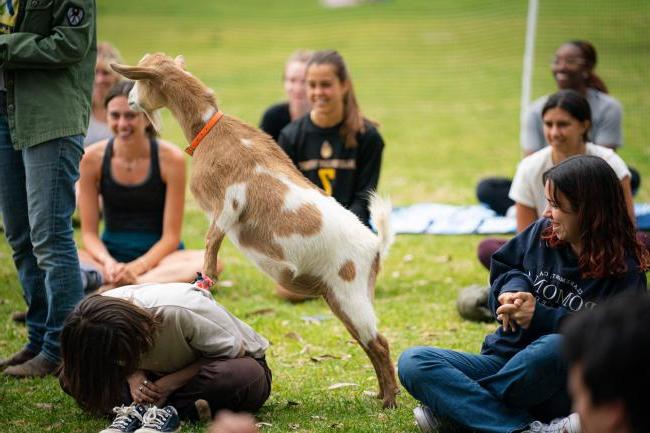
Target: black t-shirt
275,118
347,174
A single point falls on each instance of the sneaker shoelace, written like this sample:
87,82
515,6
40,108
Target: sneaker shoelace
123,415
556,426
155,417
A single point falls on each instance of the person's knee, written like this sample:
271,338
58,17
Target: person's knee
486,248
290,296
245,381
494,193
410,365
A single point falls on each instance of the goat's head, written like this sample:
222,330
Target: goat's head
150,75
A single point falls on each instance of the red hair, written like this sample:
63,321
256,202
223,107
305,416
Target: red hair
607,233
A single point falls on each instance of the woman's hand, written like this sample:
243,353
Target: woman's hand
164,387
519,310
507,298
112,270
142,390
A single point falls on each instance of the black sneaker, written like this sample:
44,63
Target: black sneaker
127,420
425,419
158,420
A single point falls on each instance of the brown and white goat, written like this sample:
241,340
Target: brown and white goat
291,229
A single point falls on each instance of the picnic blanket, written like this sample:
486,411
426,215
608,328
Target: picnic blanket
445,219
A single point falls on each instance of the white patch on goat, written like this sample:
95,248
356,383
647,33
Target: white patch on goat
230,213
134,98
208,114
355,303
247,142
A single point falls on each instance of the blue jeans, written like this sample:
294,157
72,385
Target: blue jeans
487,393
37,200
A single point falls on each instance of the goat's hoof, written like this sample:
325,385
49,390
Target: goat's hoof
390,403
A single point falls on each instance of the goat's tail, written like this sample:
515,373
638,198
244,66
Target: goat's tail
380,209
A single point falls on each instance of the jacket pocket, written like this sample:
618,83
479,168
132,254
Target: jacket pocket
38,17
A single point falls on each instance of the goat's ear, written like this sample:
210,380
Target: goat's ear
135,72
180,62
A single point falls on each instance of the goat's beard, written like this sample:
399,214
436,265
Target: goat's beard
155,119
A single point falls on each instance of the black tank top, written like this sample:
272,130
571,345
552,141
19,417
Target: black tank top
138,207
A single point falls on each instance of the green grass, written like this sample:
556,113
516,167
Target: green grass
443,79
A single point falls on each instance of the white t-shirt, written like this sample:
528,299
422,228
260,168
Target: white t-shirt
194,325
527,187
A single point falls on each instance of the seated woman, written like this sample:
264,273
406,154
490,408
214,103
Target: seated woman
581,253
334,146
278,116
166,345
141,182
566,116
572,68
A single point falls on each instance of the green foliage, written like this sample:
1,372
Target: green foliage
443,79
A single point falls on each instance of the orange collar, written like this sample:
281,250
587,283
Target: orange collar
203,132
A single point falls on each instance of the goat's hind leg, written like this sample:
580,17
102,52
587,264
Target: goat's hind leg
358,316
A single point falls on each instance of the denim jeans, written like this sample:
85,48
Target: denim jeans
37,200
487,393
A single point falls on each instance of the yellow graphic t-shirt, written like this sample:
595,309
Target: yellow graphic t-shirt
8,14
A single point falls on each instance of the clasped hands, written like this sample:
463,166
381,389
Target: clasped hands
516,309
121,274
143,391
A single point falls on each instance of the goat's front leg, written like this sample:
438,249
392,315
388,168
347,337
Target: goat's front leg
213,240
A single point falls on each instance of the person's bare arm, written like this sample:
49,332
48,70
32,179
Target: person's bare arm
525,216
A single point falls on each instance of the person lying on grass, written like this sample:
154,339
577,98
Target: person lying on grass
167,345
582,252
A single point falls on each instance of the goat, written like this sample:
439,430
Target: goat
289,228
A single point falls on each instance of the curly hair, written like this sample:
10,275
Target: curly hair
102,343
607,232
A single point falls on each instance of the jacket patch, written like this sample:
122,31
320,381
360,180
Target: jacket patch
74,15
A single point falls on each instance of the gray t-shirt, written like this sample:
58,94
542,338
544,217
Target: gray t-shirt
606,115
194,325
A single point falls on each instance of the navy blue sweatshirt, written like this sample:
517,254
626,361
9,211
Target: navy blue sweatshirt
527,264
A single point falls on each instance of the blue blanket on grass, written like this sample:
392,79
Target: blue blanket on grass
445,219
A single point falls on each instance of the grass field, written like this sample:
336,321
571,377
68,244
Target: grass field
443,79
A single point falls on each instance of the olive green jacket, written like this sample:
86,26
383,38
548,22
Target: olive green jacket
49,67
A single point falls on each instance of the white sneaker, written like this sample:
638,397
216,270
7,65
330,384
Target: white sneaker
569,424
425,419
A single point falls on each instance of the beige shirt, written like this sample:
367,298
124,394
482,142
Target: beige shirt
194,326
